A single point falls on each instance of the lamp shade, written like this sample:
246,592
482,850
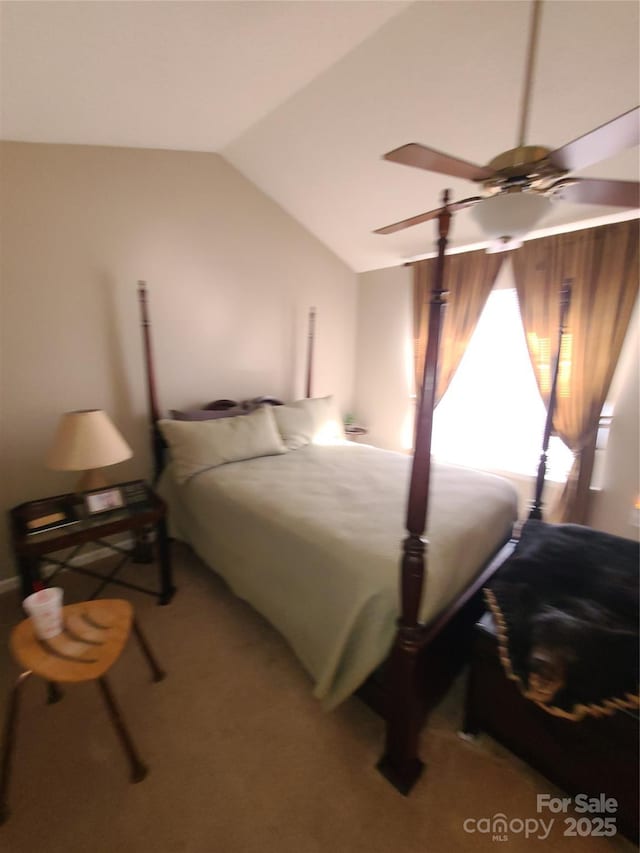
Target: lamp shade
85,440
507,218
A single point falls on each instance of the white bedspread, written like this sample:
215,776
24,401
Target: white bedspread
312,540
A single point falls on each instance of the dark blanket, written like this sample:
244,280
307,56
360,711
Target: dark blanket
566,609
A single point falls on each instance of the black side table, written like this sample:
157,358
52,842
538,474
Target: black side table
143,511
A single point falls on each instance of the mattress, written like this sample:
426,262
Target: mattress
312,540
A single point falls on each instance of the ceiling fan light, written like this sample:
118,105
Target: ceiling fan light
506,218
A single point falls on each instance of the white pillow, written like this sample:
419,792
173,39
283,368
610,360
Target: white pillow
326,423
196,446
295,425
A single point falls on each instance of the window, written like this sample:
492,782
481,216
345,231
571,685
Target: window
492,416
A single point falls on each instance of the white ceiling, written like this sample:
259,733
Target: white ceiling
305,97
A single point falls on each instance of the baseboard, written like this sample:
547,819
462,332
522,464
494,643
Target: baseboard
96,552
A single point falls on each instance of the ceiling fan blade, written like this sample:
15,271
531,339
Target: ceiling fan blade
596,191
421,157
424,217
616,135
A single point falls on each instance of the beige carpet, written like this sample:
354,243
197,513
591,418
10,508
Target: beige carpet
242,758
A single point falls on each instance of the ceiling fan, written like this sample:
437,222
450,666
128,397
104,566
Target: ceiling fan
519,184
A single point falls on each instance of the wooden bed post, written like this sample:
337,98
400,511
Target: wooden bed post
565,301
310,346
400,763
157,443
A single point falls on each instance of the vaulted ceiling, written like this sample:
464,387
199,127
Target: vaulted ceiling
304,97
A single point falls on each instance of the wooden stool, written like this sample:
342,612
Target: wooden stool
93,637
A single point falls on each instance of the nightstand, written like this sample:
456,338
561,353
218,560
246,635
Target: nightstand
73,526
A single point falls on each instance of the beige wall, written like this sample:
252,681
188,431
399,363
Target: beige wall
230,274
384,328
383,355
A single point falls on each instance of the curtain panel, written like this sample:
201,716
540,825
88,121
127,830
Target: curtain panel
469,279
603,265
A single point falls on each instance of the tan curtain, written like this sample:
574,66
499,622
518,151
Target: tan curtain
603,263
469,278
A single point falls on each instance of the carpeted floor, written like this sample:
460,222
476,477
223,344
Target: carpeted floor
242,758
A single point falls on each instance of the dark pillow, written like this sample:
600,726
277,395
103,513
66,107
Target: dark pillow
221,405
205,414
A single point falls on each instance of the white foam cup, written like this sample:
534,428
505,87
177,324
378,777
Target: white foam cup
45,609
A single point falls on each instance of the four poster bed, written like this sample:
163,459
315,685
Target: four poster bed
308,536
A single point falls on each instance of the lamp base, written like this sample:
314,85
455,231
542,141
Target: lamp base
92,479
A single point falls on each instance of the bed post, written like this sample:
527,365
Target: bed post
310,345
400,763
154,413
565,301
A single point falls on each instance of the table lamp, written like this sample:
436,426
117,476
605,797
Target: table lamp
87,441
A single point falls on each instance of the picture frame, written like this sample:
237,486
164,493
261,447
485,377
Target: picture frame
103,500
